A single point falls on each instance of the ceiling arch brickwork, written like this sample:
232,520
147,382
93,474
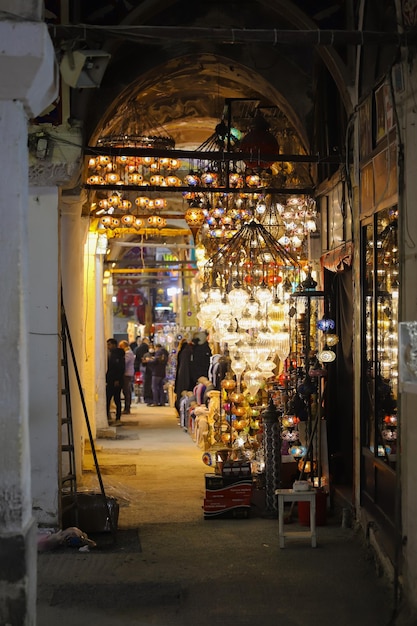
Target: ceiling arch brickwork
285,70
183,83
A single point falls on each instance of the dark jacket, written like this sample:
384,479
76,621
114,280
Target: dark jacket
200,361
140,352
115,366
159,363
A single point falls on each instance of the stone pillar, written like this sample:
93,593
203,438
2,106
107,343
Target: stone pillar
272,452
27,65
43,352
95,339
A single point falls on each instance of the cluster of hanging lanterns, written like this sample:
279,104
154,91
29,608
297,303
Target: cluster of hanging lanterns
245,292
116,211
139,171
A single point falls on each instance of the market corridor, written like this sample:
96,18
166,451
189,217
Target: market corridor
170,567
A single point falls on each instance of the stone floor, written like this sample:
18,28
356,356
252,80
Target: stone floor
167,566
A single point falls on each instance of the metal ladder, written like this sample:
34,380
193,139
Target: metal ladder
67,470
68,480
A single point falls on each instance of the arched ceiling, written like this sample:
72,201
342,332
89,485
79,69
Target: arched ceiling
183,85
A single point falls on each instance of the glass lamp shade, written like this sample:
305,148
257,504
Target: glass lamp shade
142,201
156,221
326,356
114,200
222,321
103,204
106,221
194,216
240,424
266,365
173,181
252,306
264,296
250,353
306,466
134,178
95,180
239,411
325,324
276,316
127,220
238,366
290,421
290,435
237,398
204,320
209,178
298,451
209,308
228,384
267,374
230,336
235,179
253,380
192,179
246,320
282,345
157,180
238,298
331,340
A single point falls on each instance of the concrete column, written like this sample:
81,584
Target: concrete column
17,528
28,70
43,345
96,363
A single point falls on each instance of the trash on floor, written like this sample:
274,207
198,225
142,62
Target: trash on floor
72,537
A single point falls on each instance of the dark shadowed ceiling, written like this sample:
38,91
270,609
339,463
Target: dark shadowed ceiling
181,77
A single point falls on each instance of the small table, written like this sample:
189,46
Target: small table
289,495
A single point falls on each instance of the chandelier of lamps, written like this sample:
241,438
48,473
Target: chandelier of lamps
135,129
245,290
221,214
218,216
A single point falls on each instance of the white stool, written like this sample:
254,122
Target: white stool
289,495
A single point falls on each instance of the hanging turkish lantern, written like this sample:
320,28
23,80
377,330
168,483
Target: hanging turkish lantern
194,216
156,221
259,143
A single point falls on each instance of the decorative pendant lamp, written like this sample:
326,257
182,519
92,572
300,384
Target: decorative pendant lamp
194,216
241,266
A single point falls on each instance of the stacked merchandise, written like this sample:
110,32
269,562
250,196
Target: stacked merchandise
229,494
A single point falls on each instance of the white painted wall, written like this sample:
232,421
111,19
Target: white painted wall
74,231
43,345
95,340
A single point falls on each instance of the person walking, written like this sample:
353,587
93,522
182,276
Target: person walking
159,366
128,375
114,377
